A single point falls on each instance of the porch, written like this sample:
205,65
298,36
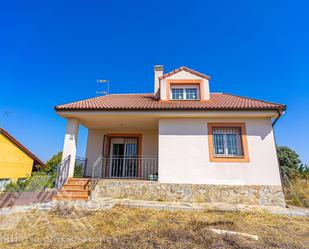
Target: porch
117,147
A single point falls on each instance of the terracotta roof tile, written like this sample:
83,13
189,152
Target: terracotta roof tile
145,102
184,69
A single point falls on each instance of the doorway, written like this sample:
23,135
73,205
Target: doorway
123,161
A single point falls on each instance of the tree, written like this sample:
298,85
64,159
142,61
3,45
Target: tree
51,164
289,161
304,171
51,168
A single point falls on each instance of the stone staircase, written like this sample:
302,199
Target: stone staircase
73,190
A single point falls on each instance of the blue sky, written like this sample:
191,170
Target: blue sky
52,52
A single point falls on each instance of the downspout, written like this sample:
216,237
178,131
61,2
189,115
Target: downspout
280,113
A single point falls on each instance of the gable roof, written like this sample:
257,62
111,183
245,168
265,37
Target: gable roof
147,102
23,148
189,70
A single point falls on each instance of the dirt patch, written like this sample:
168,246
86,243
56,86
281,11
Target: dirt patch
122,227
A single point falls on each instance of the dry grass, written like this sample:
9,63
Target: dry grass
123,227
298,194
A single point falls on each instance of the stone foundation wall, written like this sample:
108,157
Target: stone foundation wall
155,191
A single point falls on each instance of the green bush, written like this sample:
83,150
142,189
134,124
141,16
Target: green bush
17,186
40,180
289,161
51,168
78,170
295,177
37,182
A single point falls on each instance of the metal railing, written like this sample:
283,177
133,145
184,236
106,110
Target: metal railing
136,167
62,172
80,167
96,171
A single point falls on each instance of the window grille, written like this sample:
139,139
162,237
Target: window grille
227,142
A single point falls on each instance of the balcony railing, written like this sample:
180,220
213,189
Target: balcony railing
129,167
136,167
80,167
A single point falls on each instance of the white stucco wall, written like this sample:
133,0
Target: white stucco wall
70,143
95,144
184,154
183,75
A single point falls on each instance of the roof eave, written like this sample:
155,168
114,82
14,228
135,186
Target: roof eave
283,108
35,159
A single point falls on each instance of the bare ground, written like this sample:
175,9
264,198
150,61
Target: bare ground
122,227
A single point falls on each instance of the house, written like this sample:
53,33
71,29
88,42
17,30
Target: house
198,145
16,161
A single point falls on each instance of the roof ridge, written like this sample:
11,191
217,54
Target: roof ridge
267,102
184,68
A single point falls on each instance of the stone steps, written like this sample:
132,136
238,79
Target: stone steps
69,198
78,181
73,189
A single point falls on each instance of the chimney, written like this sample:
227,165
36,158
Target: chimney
158,71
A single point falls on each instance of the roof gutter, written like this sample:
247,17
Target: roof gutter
280,113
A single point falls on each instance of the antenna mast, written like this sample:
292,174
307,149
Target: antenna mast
106,89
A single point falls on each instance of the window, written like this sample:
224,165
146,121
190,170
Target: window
177,93
184,93
184,89
191,93
227,142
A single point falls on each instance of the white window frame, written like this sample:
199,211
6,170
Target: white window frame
184,87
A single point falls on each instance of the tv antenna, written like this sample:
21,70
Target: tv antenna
105,89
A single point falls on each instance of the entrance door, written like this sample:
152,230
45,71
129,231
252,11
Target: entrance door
123,157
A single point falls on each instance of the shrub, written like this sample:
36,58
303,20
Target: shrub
289,161
17,186
51,168
38,181
78,170
295,176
